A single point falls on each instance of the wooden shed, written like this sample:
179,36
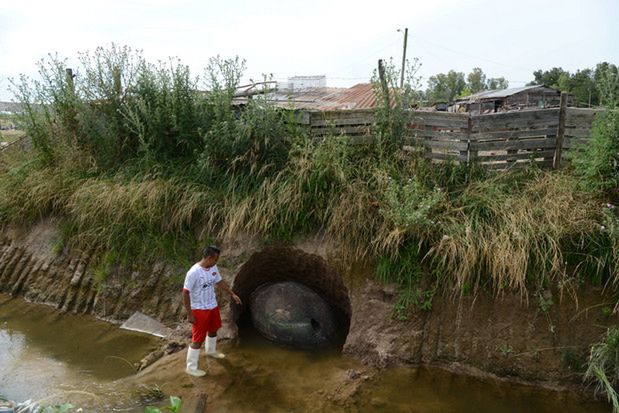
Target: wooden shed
527,97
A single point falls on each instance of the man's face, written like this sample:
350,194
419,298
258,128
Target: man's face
212,260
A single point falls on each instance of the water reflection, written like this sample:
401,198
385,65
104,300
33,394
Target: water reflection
43,352
431,390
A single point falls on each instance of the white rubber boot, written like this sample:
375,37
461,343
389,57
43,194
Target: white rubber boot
193,355
211,348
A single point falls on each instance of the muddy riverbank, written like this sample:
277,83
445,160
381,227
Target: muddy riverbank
540,342
262,377
56,358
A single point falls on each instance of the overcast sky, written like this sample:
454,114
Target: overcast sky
340,39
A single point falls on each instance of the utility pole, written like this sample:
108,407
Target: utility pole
403,58
383,83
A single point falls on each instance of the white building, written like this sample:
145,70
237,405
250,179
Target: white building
297,83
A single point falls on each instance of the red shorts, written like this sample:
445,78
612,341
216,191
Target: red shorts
207,321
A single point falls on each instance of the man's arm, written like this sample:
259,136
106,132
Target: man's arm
187,302
224,286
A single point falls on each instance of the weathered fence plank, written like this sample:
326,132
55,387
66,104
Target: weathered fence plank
439,135
556,160
543,118
444,120
543,154
579,117
512,134
577,133
436,144
544,143
498,141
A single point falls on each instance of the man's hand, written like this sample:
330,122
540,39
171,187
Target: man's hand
191,318
236,299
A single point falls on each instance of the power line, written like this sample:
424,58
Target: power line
372,55
469,55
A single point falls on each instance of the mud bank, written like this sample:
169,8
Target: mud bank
541,342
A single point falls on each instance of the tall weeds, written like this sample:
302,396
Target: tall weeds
136,160
603,367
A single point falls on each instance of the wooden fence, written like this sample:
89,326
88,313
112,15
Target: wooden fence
499,140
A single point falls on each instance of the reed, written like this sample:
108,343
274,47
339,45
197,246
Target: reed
149,166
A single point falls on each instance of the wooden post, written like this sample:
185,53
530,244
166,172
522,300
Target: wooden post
69,76
70,117
116,80
556,162
404,58
471,156
383,83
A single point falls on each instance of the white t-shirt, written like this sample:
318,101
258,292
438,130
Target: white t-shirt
200,282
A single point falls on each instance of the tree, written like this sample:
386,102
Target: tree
476,81
548,77
582,85
445,87
606,80
590,87
497,83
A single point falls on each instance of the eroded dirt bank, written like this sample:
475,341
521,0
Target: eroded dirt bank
543,342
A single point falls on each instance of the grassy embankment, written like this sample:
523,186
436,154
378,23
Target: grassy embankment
150,167
153,167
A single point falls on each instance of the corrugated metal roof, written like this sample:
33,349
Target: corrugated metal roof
313,98
499,94
359,96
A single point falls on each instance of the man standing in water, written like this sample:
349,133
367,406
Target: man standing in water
201,305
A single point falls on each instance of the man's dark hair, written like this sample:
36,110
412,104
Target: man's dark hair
210,251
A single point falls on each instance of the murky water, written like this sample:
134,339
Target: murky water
425,390
43,353
271,378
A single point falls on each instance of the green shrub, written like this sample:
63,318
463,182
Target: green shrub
603,367
598,161
409,205
175,406
136,161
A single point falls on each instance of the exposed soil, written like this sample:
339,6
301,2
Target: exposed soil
500,336
251,381
506,337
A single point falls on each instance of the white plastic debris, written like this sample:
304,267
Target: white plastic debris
144,324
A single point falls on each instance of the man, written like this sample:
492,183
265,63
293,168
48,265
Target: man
201,305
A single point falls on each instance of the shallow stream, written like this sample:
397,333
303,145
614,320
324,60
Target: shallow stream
53,357
79,359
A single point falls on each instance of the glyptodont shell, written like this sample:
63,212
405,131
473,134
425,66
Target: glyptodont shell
293,314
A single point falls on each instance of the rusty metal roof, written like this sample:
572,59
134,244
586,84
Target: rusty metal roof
359,96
